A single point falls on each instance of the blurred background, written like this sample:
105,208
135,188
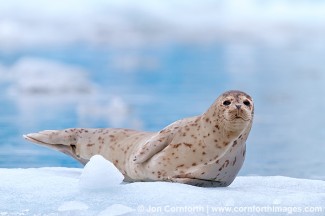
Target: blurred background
144,64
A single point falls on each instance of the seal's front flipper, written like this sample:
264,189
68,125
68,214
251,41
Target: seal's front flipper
198,182
64,141
153,146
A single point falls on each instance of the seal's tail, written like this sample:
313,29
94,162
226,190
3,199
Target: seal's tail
65,141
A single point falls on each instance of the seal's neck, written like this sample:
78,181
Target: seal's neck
213,126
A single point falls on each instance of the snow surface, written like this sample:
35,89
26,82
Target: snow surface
97,190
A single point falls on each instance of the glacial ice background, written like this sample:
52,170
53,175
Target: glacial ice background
145,65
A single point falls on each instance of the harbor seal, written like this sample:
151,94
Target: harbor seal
206,150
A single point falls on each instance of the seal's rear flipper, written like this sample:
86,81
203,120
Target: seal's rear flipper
63,141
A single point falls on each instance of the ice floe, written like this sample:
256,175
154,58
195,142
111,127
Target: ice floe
48,191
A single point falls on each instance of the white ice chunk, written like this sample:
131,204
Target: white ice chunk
99,173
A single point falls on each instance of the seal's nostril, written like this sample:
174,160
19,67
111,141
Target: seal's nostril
238,106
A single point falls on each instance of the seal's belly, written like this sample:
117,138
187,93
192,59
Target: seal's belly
186,164
224,169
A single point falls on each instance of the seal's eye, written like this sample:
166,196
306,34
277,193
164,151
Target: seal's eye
247,103
226,102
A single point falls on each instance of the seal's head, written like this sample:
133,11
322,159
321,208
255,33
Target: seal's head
235,110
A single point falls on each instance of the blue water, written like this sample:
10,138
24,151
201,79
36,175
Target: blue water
178,80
